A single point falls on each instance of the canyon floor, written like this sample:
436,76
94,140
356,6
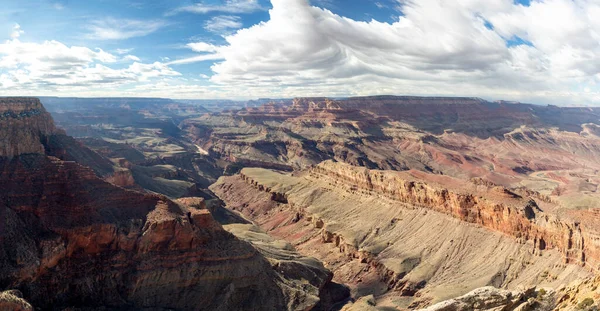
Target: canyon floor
369,203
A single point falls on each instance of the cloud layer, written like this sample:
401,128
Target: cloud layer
51,66
119,29
229,6
545,52
450,47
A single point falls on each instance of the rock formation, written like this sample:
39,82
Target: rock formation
412,234
24,126
436,134
70,239
12,300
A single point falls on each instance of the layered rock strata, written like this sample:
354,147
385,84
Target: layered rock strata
68,239
24,125
495,207
396,234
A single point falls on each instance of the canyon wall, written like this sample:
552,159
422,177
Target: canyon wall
24,124
495,207
395,236
69,239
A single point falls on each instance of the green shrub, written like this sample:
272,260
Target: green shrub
588,302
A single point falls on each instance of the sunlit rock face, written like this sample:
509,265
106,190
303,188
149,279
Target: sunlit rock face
24,123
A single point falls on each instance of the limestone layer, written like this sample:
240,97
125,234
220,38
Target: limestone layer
24,123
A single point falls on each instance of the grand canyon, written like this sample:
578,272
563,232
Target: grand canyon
361,203
300,155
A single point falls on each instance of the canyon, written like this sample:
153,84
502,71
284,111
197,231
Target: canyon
72,240
366,203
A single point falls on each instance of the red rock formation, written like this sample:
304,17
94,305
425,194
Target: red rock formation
24,124
386,132
70,239
495,208
73,239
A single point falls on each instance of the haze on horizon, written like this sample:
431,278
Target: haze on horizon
544,51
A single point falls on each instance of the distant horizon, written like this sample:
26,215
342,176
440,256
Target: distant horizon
541,52
291,98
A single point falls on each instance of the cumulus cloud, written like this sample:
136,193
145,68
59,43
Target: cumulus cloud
223,24
435,47
454,47
51,65
119,29
229,6
202,47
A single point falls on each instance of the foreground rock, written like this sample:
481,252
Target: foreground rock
490,298
12,300
70,239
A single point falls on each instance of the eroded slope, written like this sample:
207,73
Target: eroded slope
69,239
409,238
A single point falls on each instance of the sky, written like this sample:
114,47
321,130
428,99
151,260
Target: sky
538,51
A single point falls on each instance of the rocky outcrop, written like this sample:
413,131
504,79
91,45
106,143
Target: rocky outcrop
491,298
69,239
461,137
24,125
73,240
12,300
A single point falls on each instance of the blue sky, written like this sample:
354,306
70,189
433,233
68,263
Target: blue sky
541,51
69,22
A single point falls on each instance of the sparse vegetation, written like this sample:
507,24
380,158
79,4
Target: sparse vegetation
585,304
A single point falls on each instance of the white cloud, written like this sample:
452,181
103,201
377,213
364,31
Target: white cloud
51,66
223,24
436,47
202,47
16,32
195,59
119,29
209,52
229,6
123,51
132,58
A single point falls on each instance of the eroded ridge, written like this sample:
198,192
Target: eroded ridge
493,207
408,234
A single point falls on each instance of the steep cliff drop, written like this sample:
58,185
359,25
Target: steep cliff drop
412,239
68,239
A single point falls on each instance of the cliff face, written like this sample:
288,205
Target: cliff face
495,208
70,239
73,240
456,136
24,124
421,236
